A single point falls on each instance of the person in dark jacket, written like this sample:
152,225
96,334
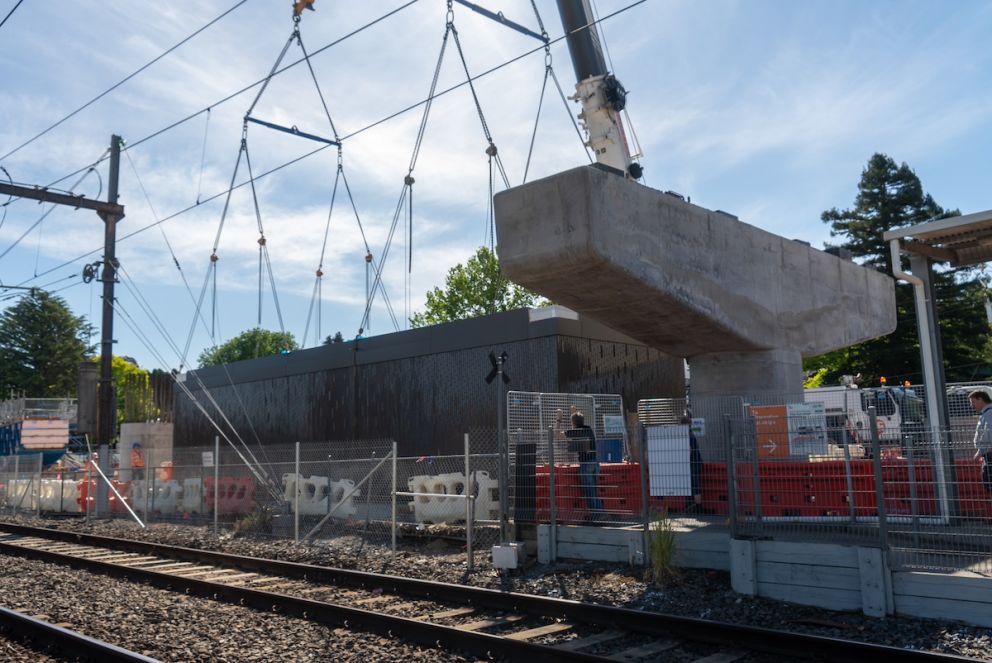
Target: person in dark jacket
582,440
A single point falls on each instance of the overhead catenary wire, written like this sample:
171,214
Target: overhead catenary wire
149,310
120,82
161,326
45,214
11,12
256,469
307,155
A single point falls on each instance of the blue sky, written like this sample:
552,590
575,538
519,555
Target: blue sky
768,110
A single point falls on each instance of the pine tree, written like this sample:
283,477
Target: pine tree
891,196
41,346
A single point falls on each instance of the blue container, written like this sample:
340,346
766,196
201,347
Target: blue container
609,450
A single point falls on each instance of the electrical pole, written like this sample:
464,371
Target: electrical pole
111,213
107,425
601,94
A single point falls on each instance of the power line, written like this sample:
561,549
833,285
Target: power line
242,90
118,83
10,12
311,153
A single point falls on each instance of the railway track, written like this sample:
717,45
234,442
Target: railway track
484,622
41,635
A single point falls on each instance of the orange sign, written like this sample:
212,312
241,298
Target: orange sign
771,427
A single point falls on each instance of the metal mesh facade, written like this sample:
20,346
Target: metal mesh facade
424,388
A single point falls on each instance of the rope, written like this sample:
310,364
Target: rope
314,298
149,310
568,111
478,107
320,93
272,72
212,269
307,155
203,157
537,119
120,82
385,254
261,231
408,191
368,253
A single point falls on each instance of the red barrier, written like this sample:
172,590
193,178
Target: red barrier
787,489
973,498
235,496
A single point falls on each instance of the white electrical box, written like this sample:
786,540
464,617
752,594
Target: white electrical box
508,555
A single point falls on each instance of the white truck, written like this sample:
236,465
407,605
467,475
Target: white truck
899,413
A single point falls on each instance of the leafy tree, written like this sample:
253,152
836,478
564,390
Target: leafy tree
337,338
133,390
472,290
41,346
248,345
891,196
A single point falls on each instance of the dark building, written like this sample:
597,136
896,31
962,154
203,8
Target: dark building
424,387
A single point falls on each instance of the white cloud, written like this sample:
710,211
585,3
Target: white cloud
763,110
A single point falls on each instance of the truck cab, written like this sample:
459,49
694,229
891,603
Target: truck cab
899,413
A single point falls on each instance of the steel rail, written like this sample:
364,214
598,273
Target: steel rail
698,630
66,642
411,630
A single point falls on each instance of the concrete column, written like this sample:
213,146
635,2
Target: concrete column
743,567
772,376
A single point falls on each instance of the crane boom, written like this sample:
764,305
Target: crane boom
600,93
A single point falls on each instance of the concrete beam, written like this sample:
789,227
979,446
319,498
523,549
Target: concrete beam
681,278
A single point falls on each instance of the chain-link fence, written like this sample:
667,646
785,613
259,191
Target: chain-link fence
354,491
923,497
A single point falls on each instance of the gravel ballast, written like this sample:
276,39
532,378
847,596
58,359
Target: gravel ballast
703,594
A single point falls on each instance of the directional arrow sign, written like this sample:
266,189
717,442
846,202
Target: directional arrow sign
771,447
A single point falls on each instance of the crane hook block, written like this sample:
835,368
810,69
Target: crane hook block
214,257
319,273
368,257
491,150
408,180
261,240
300,5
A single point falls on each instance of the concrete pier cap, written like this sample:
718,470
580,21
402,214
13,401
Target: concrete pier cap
743,305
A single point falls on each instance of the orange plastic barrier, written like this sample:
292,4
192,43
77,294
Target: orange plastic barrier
87,492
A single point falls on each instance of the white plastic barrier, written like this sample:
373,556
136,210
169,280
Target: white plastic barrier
434,506
164,501
191,496
319,495
59,495
22,494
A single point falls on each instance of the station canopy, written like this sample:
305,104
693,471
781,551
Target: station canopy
959,240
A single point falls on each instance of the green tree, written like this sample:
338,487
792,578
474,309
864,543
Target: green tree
249,344
891,196
132,389
41,346
474,289
337,338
